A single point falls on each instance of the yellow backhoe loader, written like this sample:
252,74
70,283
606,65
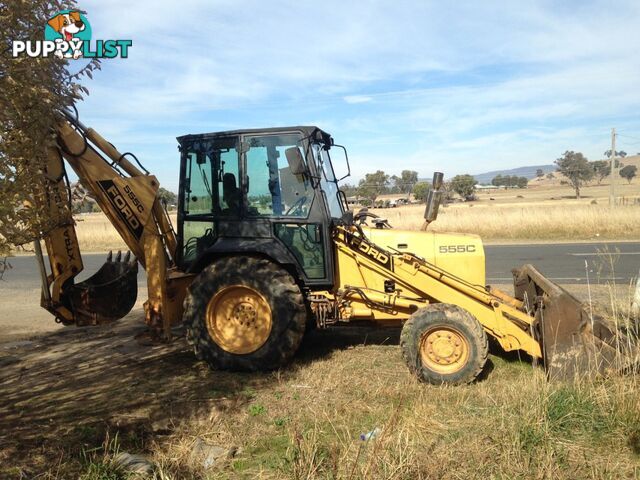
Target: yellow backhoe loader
266,248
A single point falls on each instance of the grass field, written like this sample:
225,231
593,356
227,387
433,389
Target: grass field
534,217
493,222
505,222
305,421
537,213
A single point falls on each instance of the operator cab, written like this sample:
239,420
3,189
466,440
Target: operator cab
270,192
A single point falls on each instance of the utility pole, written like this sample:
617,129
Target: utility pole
612,189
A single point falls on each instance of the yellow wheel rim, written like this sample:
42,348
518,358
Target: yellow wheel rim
239,319
444,350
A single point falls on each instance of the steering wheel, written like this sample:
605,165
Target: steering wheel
361,219
296,208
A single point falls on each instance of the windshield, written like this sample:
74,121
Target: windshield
328,181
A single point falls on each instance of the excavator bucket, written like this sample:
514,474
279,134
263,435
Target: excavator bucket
107,295
575,343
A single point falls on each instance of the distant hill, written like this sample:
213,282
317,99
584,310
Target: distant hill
559,178
529,172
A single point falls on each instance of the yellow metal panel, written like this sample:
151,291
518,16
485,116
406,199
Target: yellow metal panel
453,276
460,254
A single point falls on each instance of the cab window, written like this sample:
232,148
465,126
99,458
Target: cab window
211,179
273,190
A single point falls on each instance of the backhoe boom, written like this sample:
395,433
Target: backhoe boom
128,197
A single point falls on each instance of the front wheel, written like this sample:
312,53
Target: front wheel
444,343
244,313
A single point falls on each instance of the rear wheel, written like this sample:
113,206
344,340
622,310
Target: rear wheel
444,343
244,313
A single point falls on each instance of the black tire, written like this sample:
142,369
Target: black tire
277,286
442,317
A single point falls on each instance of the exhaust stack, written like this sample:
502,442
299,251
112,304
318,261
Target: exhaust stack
433,199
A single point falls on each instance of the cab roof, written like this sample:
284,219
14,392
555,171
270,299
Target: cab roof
308,131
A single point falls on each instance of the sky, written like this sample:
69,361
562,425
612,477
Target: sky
458,87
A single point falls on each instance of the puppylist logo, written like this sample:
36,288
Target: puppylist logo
68,35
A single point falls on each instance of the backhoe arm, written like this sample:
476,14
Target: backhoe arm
128,197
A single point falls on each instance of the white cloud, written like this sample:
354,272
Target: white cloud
357,99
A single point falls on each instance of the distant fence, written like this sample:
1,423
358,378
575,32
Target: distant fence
628,201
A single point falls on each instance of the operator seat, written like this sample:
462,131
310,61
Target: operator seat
230,194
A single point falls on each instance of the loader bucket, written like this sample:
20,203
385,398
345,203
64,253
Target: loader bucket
107,295
575,343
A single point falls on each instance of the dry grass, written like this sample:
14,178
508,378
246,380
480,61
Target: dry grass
513,425
305,422
96,234
525,222
541,212
493,222
546,212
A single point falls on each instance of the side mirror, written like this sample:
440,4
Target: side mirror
434,198
295,161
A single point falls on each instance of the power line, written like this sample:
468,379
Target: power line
628,136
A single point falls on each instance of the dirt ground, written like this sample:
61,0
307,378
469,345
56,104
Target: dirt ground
61,391
63,388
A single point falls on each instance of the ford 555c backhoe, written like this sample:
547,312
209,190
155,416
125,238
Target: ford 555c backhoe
266,248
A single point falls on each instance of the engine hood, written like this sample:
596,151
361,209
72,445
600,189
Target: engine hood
458,253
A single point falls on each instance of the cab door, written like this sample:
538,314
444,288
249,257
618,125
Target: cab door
210,195
288,202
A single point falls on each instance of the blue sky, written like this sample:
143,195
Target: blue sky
461,87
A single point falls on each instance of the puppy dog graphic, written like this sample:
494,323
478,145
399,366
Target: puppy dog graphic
67,25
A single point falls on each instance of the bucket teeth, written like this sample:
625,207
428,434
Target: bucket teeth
119,256
110,256
127,256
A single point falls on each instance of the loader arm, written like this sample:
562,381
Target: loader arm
418,282
128,197
543,319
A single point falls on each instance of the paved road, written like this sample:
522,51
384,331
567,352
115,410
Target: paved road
564,263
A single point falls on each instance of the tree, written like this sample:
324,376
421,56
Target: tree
629,172
576,168
463,185
349,190
510,181
167,198
32,90
620,153
539,173
373,184
601,169
421,190
405,182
